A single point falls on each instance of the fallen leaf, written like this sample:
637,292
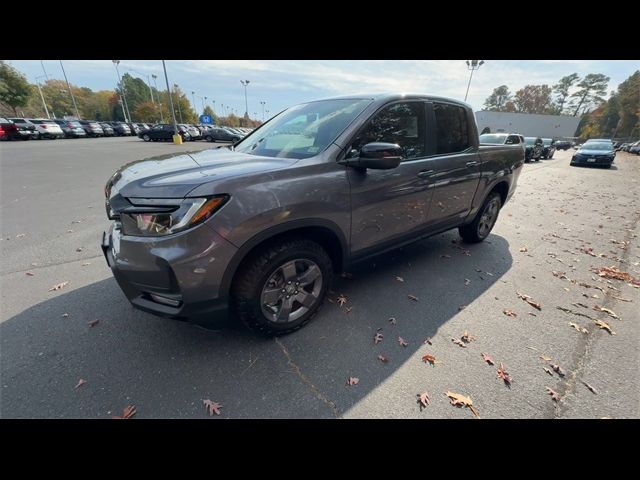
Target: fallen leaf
65,315
458,342
342,300
86,263
427,341
412,297
548,371
509,313
392,321
545,358
383,359
348,310
352,381
467,282
212,407
502,373
578,327
423,399
617,298
80,383
127,413
29,274
79,249
461,307
378,338
591,389
458,400
487,358
402,342
467,337
532,314
559,370
605,326
529,300
428,358
524,249
20,235
59,286
554,395
617,274
400,279
611,313
93,323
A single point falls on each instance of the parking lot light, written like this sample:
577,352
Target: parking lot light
472,65
70,92
177,139
46,110
123,101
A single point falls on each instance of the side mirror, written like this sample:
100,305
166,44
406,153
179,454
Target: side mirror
376,155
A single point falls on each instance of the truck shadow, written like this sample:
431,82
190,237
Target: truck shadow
166,368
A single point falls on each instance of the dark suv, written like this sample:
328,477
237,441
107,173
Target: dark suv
260,227
548,148
162,132
120,128
533,148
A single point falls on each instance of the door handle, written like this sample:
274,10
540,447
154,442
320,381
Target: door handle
472,164
425,173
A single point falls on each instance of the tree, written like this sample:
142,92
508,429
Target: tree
14,88
533,99
628,98
561,89
592,88
137,91
147,112
497,101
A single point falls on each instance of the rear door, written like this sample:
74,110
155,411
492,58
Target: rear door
456,166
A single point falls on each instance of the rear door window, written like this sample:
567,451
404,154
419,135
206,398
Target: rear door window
452,128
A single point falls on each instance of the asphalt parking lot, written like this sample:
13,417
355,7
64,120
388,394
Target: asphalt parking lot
562,219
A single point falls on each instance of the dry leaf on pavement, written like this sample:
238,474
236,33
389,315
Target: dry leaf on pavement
559,370
605,326
504,375
487,358
400,279
412,297
423,399
467,337
458,342
548,371
591,389
611,313
352,381
428,358
29,274
93,323
578,327
529,300
427,341
342,300
509,313
65,315
615,273
467,282
383,359
127,413
459,400
545,358
524,249
59,286
212,407
392,321
402,342
554,395
80,383
378,337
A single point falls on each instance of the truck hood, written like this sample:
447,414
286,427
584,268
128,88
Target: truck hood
174,176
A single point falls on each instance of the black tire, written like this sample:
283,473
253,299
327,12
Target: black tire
476,231
208,138
146,137
256,273
550,156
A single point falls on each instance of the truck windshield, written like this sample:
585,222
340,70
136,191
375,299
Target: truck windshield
304,130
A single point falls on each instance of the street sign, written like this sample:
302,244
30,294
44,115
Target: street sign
206,119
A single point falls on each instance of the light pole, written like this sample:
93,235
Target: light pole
125,107
46,110
155,84
472,65
263,103
204,101
193,96
70,92
45,72
214,106
246,104
177,139
175,85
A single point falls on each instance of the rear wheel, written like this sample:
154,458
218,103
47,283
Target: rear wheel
146,137
486,218
282,286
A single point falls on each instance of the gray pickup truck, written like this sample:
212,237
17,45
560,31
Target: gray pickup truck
259,228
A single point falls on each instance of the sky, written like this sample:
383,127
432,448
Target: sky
282,83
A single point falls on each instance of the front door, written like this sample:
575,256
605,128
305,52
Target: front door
389,204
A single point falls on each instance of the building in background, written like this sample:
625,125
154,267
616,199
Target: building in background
527,124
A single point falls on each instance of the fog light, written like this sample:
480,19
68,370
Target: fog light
164,300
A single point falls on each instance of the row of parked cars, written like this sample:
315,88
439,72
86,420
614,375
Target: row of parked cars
39,128
628,147
535,148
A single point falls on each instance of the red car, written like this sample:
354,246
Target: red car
12,131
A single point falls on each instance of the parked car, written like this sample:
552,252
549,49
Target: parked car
28,125
548,148
594,153
14,131
563,145
47,128
533,148
92,128
135,129
501,139
163,132
634,148
220,135
71,128
194,133
120,128
260,229
107,129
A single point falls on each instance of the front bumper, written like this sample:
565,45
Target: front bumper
585,160
184,269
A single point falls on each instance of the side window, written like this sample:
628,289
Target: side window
158,127
512,140
452,130
400,123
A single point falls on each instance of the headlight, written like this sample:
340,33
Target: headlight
158,217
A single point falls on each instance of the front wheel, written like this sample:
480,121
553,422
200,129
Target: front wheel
146,137
282,286
482,225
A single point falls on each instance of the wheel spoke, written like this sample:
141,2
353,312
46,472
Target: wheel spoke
309,276
306,299
271,296
285,310
289,271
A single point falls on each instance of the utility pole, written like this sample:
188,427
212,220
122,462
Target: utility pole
193,96
177,139
159,104
263,103
45,72
123,93
473,66
46,110
246,104
70,92
178,101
